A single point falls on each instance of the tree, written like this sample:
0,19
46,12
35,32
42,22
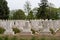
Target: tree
4,10
27,7
41,14
19,14
35,11
47,11
53,14
59,12
11,14
30,15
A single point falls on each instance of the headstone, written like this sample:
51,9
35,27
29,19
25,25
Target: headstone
35,24
26,29
8,28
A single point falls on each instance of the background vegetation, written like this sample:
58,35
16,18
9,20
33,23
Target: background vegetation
2,30
16,30
45,10
6,37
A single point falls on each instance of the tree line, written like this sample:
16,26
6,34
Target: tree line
45,10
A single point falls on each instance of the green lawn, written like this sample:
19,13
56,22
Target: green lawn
27,37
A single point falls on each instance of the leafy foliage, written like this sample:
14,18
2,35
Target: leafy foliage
53,14
27,7
16,30
41,14
19,14
30,16
46,12
2,30
33,31
52,31
4,10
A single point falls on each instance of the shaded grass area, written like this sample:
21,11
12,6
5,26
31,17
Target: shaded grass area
2,30
25,37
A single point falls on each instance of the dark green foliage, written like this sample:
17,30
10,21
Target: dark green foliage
46,12
2,30
16,30
33,31
19,14
4,10
52,31
30,16
41,14
59,12
53,13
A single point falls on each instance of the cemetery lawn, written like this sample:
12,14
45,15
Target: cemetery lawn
27,37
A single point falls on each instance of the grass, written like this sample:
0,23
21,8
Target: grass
2,30
32,38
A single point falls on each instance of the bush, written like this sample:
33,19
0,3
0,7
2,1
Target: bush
52,31
2,30
33,31
16,30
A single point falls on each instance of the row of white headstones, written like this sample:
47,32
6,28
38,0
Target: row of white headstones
26,26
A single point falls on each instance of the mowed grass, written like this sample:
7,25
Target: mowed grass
27,37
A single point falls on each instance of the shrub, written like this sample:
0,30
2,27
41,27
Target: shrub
16,30
33,31
2,30
52,31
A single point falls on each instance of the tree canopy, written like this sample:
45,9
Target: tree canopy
30,16
41,14
27,7
4,10
46,11
19,14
